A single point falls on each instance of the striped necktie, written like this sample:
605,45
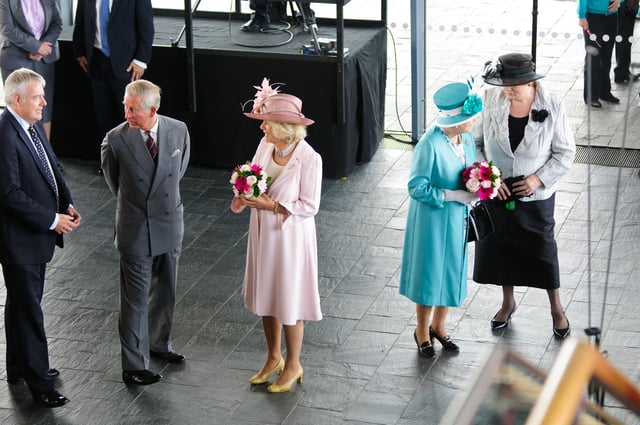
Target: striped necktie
152,146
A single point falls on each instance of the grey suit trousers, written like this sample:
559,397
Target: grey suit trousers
147,300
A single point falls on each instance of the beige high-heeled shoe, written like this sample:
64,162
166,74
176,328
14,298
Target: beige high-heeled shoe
262,378
282,388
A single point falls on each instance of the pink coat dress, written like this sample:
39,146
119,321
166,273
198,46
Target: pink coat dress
281,275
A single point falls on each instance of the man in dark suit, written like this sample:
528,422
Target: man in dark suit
113,53
35,211
143,160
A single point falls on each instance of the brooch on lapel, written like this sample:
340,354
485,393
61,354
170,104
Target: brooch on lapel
539,116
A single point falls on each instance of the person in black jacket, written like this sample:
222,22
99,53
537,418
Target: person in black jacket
113,53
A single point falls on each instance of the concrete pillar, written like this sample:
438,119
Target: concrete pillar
418,68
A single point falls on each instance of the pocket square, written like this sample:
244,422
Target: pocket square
175,153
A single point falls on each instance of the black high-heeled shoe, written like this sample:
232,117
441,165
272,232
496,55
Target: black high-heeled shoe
426,348
561,333
446,341
497,324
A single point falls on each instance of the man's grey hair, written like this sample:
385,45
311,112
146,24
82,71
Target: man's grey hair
149,92
17,83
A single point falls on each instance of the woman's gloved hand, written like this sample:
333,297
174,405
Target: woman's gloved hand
460,196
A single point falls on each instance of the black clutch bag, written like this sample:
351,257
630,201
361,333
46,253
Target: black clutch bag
480,222
509,181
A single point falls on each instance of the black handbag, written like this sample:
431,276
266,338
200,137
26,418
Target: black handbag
480,222
509,181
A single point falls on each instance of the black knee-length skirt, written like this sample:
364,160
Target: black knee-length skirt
522,251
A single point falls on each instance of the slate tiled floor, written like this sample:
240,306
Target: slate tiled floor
361,364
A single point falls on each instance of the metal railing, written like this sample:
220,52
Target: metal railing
508,389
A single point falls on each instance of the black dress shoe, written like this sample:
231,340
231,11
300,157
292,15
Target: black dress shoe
561,333
51,399
426,348
52,374
596,104
609,98
254,24
170,357
140,377
497,324
446,341
17,379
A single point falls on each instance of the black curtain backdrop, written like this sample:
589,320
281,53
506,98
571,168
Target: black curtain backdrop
225,75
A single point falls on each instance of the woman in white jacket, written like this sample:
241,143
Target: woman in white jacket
281,274
524,130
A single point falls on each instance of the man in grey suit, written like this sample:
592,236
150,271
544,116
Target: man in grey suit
143,160
29,31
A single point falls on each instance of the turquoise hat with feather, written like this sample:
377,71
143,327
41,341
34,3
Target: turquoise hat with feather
456,104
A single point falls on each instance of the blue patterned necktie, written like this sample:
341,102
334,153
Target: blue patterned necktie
42,156
104,23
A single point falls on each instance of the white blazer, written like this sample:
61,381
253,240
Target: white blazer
547,149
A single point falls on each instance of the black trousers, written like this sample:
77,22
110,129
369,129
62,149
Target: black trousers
108,93
268,10
27,349
275,10
626,22
597,67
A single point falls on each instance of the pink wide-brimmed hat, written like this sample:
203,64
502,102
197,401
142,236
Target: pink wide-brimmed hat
271,105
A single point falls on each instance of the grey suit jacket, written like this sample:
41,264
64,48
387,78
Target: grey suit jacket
17,40
149,213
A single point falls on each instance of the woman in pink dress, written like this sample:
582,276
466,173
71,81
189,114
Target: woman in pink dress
281,275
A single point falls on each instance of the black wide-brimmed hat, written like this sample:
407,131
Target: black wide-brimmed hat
511,69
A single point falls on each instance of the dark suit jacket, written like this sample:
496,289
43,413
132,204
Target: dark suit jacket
27,201
18,40
130,32
149,214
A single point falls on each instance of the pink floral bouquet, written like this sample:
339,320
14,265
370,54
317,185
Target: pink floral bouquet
482,178
249,180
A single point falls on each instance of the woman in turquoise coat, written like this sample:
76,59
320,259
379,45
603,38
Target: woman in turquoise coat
434,261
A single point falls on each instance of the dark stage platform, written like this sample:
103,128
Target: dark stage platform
346,132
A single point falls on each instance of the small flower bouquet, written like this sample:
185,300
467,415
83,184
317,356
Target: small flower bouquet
482,178
249,180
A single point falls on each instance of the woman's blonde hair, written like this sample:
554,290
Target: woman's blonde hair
291,133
